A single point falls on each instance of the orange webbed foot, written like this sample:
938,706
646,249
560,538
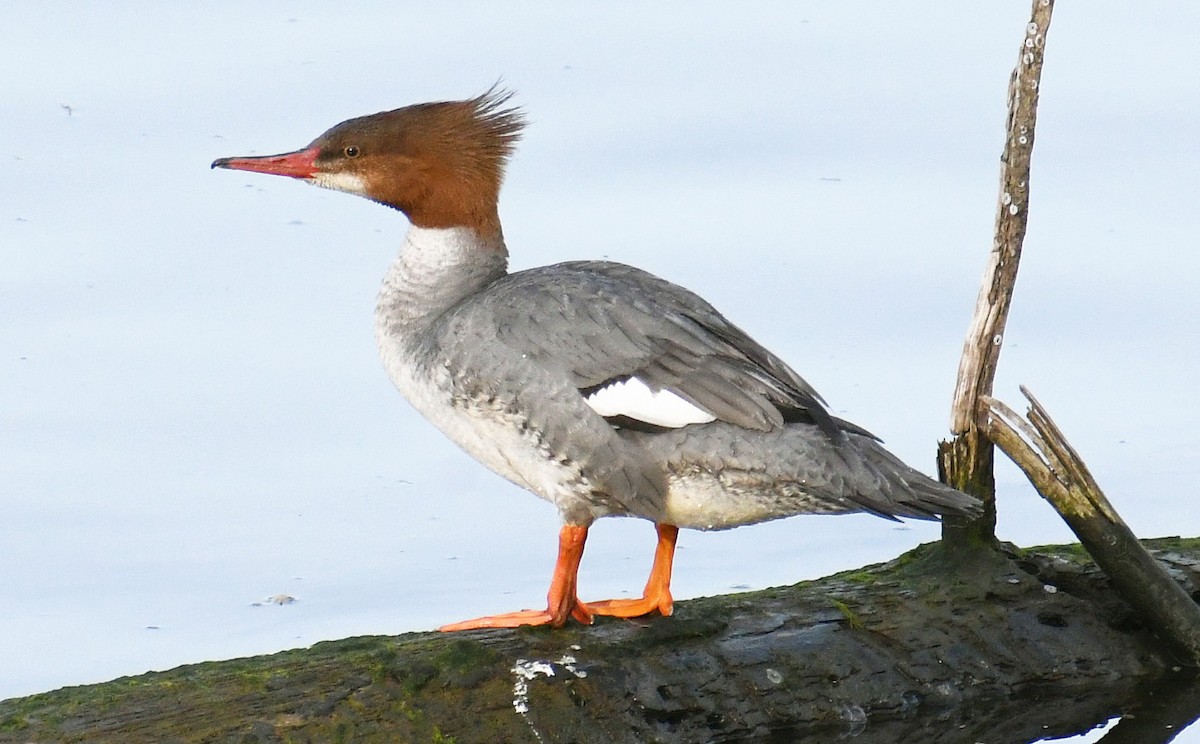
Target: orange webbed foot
660,602
561,601
657,595
578,610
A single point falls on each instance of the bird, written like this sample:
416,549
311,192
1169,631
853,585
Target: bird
597,386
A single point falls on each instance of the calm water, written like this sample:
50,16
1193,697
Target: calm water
192,415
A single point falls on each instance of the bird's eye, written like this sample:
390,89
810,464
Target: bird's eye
350,151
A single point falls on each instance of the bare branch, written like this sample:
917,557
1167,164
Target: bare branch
1066,454
965,462
981,350
1012,419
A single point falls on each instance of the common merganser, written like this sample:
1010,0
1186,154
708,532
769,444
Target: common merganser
601,388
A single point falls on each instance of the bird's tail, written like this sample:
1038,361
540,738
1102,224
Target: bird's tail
882,484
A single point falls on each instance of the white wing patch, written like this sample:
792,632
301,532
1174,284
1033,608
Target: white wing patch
633,398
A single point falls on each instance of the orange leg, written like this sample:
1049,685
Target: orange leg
561,600
657,595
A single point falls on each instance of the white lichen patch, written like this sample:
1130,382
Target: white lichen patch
524,670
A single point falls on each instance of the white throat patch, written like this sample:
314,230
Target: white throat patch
633,398
347,182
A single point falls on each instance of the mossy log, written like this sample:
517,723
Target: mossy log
1011,646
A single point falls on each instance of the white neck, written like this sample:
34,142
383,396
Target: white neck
436,268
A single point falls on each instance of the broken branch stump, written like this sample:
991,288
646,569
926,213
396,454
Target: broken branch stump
1039,448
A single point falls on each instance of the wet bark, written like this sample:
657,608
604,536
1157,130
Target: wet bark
935,646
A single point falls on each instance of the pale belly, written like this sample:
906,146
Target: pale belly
705,501
493,437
